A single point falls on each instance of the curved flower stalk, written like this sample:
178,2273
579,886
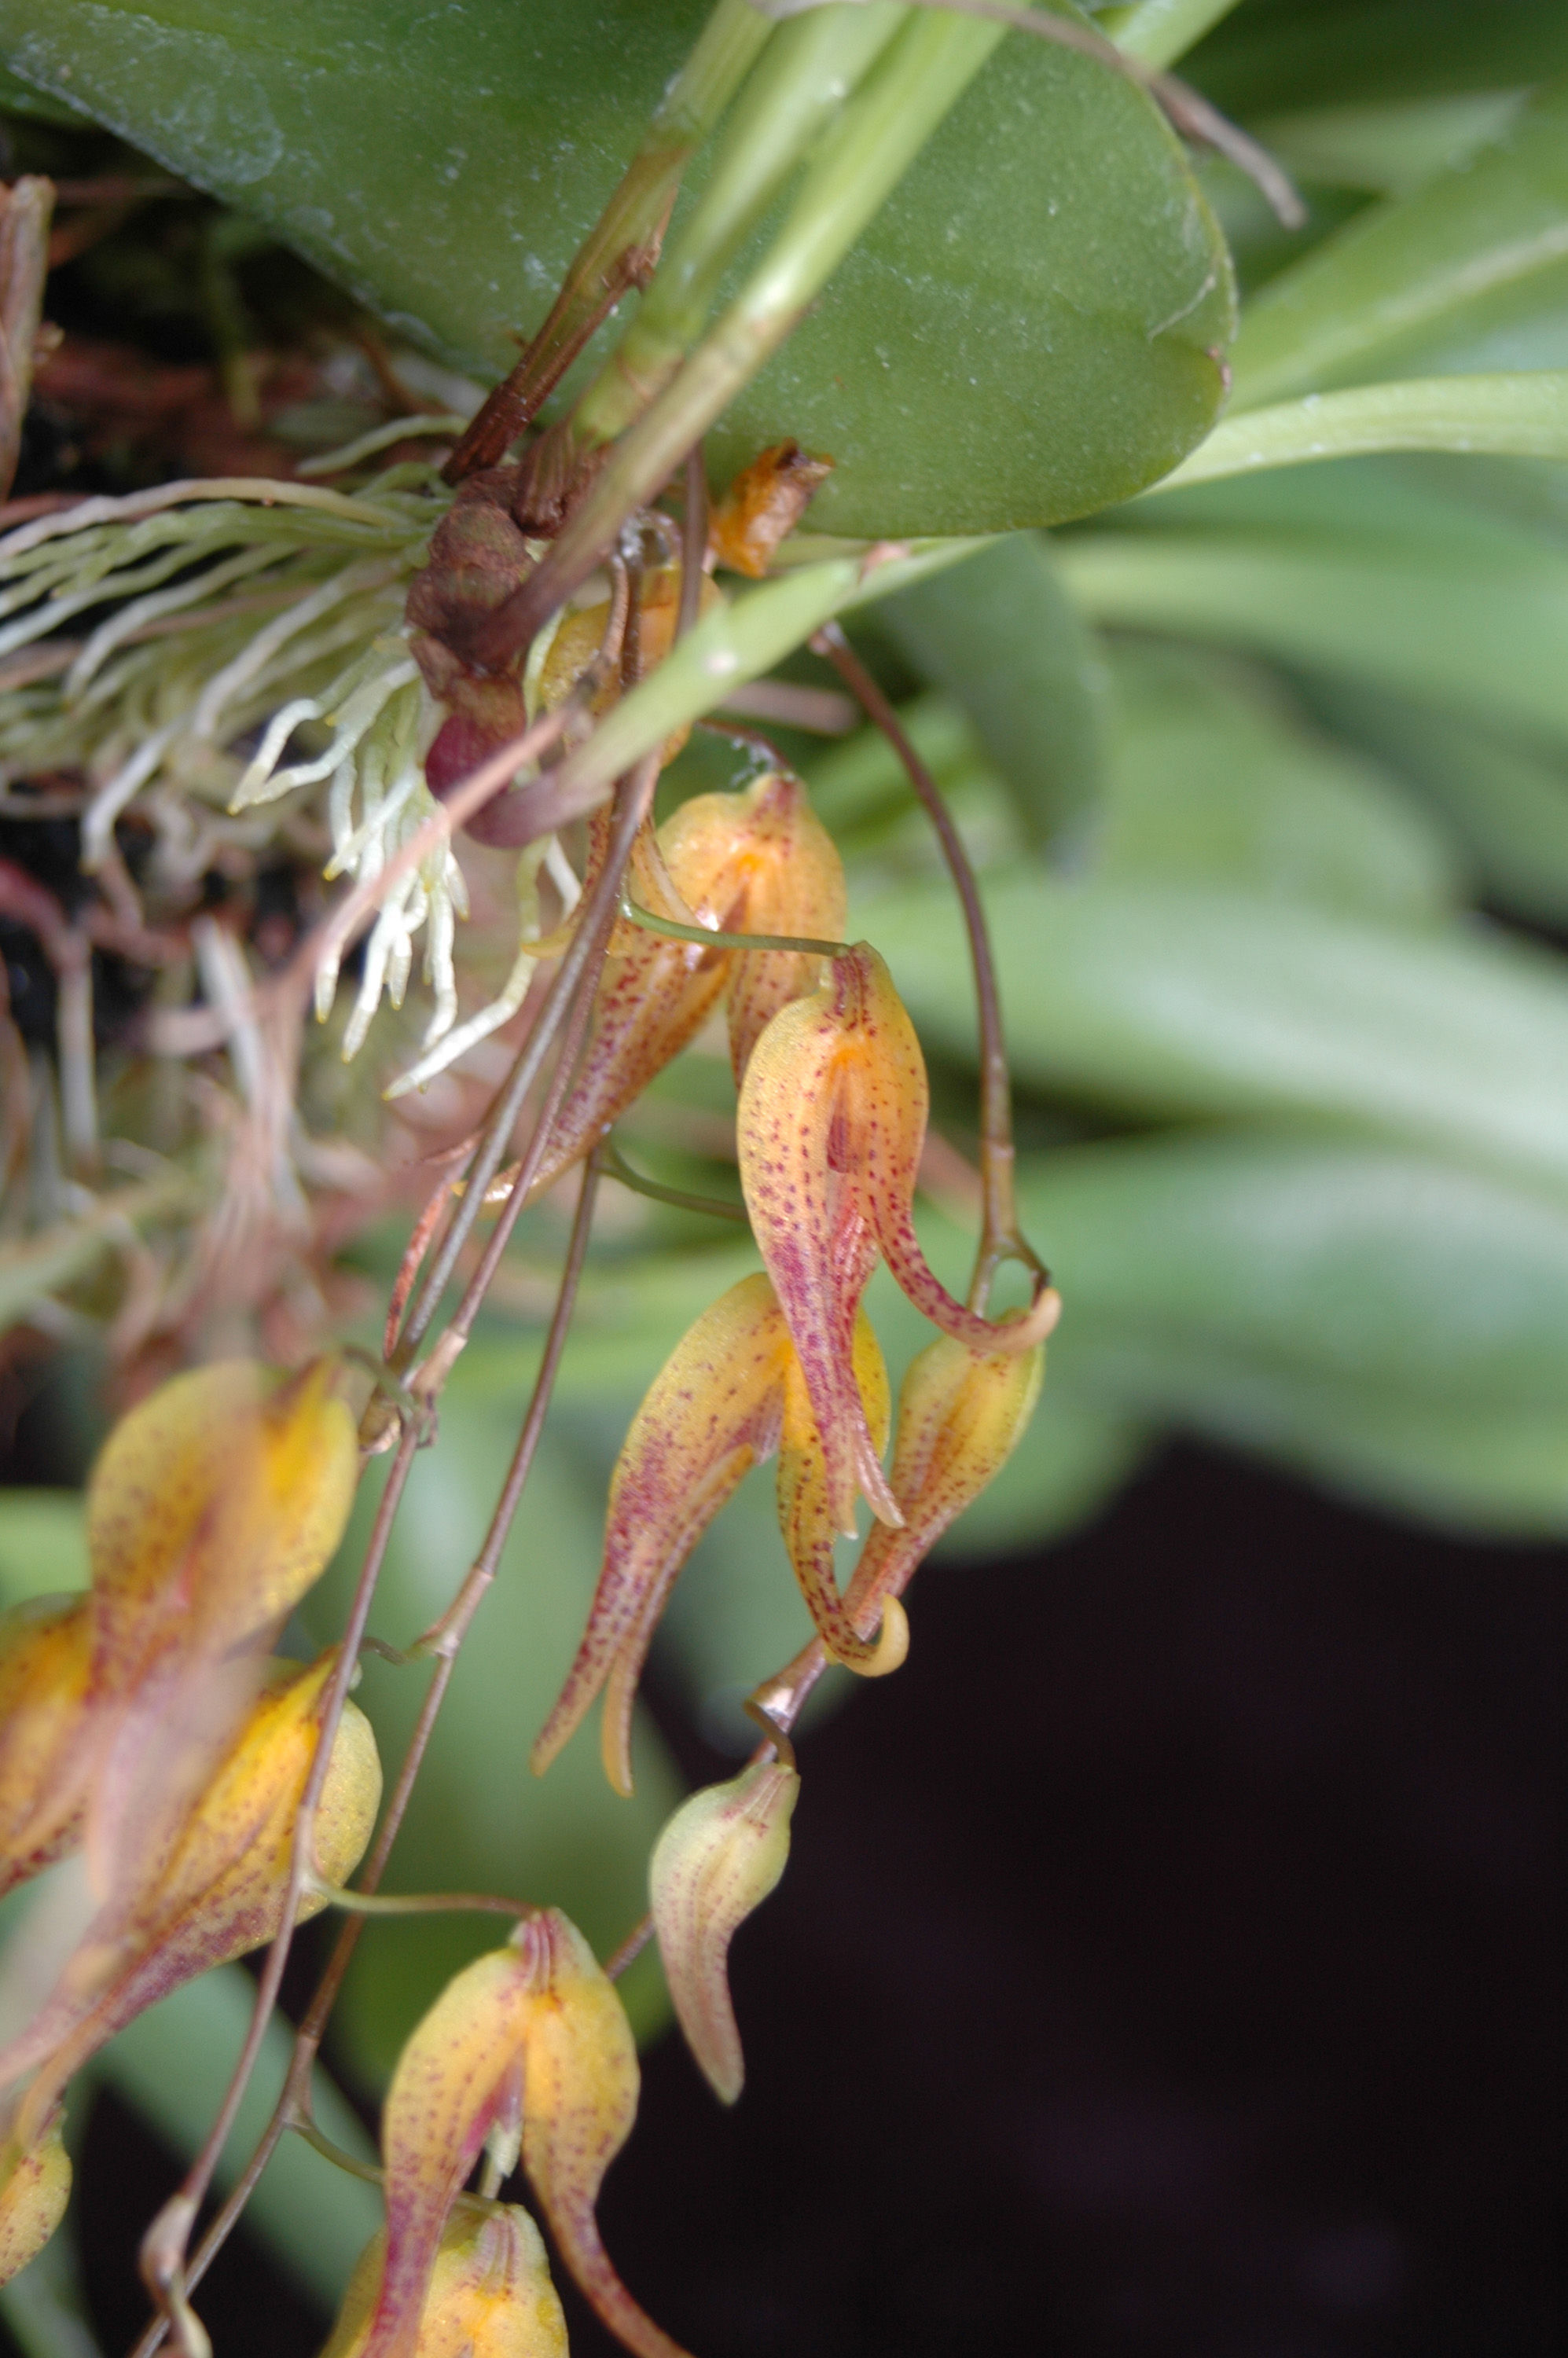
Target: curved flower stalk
719,1858
527,2048
830,1127
218,1891
490,2292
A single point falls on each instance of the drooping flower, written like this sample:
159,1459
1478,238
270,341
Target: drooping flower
718,1857
528,2046
830,1127
215,1892
727,1396
758,861
490,2292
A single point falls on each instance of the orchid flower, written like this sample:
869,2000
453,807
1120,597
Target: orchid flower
526,2049
490,2292
830,1127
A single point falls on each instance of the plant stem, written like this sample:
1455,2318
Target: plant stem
811,68
1157,32
1001,1237
918,79
619,251
615,1167
712,938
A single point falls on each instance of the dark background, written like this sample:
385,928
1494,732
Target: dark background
1170,1960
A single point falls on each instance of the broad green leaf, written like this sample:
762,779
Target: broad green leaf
1505,801
1030,330
1474,249
1002,635
172,2065
1213,781
479,1820
1522,414
1274,54
1175,1001
1481,636
1356,1262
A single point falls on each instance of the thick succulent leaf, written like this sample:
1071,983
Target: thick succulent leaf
1002,635
1476,247
1028,331
1204,1002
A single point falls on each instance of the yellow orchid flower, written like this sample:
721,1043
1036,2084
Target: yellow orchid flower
718,1857
43,1694
830,1127
529,2045
34,2186
218,1891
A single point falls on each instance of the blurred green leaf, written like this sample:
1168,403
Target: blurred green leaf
1170,1002
1213,781
1391,148
1273,54
1002,635
173,2064
1476,246
43,1544
444,168
479,1820
1507,803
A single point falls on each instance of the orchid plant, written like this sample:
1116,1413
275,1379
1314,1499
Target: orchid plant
468,644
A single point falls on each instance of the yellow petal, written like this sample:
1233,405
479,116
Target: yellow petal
719,1856
959,1419
490,2294
812,1141
460,2073
712,1413
34,2188
580,2099
45,1732
803,1518
221,1888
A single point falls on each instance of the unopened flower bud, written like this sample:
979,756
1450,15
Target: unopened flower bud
830,1127
719,1856
35,2184
764,505
490,2293
43,1699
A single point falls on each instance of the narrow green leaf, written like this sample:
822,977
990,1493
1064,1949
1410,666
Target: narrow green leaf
1523,414
1002,635
1390,148
1476,246
1203,1003
1278,53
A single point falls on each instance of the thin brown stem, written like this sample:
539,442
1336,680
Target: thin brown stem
631,1949
1001,1237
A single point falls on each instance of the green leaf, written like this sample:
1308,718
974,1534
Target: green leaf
1174,1001
1028,330
1292,53
1465,626
1523,414
1214,781
173,2064
1000,635
43,1544
1476,248
479,1820
1507,804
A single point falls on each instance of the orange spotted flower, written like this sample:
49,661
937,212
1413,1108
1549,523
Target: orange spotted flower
830,1129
